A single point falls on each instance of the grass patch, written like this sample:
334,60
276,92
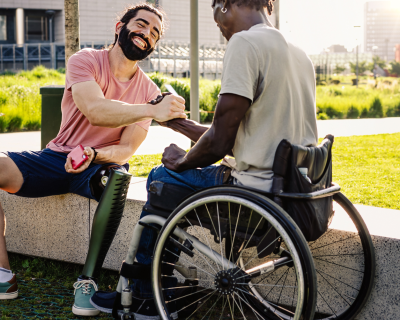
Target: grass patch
368,169
46,289
20,100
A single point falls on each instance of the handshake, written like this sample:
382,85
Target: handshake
168,106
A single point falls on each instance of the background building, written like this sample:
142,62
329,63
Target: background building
382,28
28,21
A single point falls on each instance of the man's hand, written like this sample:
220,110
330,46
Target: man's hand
170,107
68,165
173,157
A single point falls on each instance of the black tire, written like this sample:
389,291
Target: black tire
353,262
268,210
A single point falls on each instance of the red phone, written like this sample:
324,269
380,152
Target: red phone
77,157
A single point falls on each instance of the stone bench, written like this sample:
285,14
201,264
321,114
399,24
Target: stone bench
59,228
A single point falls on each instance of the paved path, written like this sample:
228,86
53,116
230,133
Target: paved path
159,138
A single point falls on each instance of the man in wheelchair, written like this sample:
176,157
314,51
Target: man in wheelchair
267,95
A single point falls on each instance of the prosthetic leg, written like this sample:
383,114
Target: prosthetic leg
107,219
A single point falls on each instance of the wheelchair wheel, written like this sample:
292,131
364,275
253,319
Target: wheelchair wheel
214,230
344,263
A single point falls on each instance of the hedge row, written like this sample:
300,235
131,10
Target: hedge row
20,101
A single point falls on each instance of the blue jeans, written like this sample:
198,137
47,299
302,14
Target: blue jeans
195,179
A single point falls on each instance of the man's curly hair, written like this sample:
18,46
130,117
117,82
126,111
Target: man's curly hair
131,12
257,4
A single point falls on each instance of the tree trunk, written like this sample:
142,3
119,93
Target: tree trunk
276,9
72,43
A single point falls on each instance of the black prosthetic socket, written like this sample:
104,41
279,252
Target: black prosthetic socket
106,221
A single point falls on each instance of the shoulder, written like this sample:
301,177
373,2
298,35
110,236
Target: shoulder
87,54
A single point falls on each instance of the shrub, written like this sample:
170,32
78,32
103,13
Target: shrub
353,113
32,125
322,116
3,123
333,113
364,113
376,109
393,111
14,124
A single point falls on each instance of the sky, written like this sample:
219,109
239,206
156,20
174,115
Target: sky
317,24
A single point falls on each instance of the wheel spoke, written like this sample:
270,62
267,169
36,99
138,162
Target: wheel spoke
269,302
240,309
333,288
230,308
337,280
212,293
265,285
258,254
325,234
234,234
327,304
188,294
188,262
249,240
212,307
247,303
220,239
223,308
339,265
201,255
327,245
201,227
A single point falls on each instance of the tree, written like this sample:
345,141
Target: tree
338,69
72,43
362,67
376,60
395,68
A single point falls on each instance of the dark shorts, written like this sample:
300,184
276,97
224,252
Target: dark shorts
44,174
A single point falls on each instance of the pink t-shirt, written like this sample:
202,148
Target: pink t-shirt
93,65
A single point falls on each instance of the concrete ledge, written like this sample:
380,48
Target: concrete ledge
59,228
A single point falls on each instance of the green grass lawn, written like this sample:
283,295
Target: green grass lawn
366,167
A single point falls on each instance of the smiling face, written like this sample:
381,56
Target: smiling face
139,36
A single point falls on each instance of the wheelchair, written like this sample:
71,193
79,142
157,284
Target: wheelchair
240,253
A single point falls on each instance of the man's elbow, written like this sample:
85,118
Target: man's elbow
220,150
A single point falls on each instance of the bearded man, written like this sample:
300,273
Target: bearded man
104,108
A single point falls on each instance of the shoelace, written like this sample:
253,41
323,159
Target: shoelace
85,285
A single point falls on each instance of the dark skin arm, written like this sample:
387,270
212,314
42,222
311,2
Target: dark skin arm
188,128
216,142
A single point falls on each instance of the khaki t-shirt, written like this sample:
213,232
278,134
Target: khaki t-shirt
279,79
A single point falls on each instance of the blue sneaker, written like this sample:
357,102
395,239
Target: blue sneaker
84,290
9,289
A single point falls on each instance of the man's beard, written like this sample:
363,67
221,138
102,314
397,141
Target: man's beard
130,50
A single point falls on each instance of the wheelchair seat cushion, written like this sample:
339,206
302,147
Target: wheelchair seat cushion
312,216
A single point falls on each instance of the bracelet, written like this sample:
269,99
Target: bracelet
95,154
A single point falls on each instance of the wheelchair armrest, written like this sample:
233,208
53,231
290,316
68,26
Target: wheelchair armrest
312,195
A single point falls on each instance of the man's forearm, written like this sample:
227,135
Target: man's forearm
115,114
208,150
188,128
119,154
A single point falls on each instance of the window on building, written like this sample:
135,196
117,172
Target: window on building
36,28
3,28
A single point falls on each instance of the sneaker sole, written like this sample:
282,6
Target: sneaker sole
84,312
8,296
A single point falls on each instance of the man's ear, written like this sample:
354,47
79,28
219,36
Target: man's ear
118,27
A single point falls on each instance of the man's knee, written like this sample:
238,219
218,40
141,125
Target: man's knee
11,178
